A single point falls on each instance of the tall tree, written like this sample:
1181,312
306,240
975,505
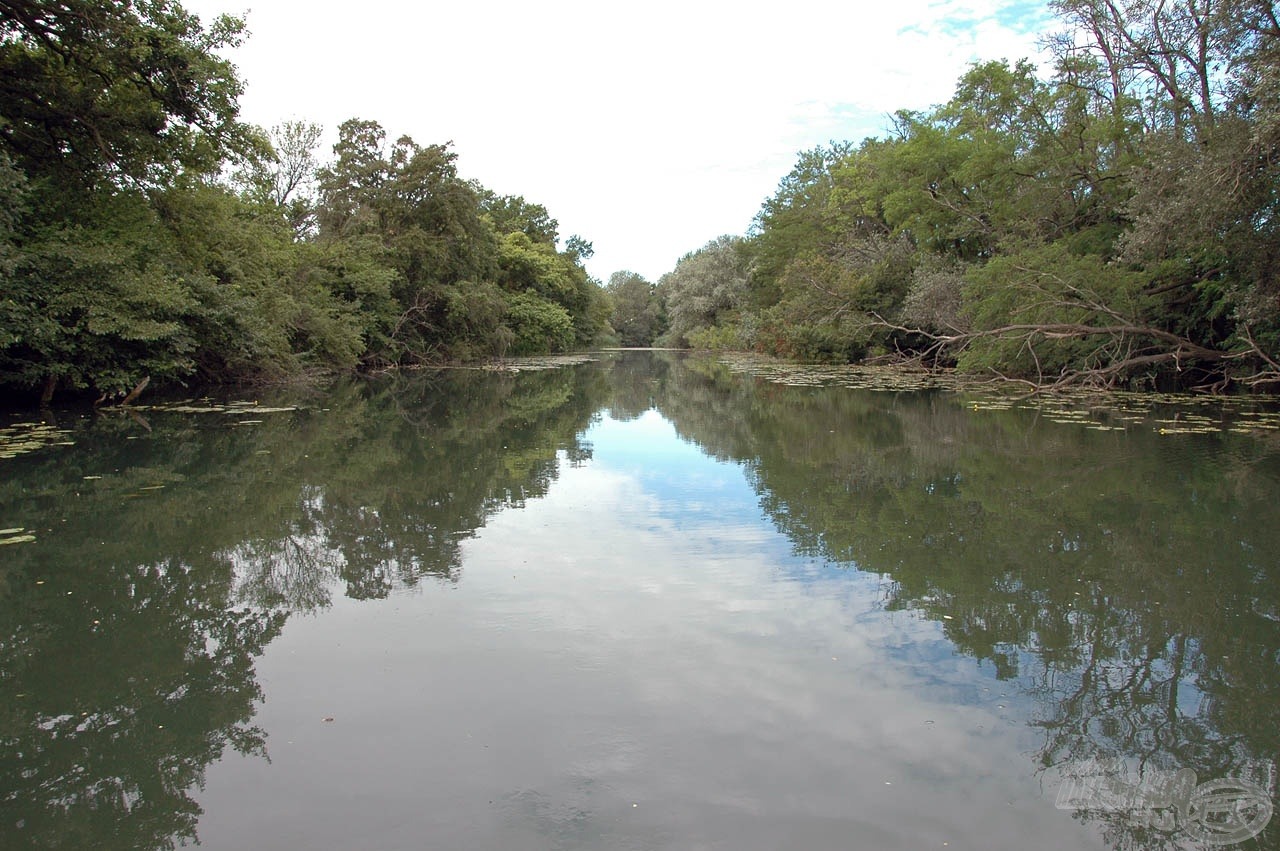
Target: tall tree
706,290
284,178
127,92
106,111
637,309
407,205
512,213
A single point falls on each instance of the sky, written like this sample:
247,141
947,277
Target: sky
648,129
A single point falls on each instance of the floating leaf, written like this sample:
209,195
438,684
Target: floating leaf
22,438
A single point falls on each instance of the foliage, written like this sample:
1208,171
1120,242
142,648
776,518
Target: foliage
125,93
284,177
472,273
1037,294
1111,223
539,325
147,234
707,289
639,316
791,223
87,299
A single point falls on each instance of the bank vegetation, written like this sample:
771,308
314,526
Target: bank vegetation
148,234
1111,221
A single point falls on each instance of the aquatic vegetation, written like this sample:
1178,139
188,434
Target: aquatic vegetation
21,438
1163,413
16,535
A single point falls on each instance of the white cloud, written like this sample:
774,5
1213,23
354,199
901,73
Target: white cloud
649,129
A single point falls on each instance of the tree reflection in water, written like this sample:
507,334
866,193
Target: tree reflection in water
128,633
1129,582
1124,581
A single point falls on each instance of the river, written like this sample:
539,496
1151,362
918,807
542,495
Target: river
641,600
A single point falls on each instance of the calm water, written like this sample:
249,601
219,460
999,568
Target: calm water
643,602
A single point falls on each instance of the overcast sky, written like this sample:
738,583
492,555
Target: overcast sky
650,128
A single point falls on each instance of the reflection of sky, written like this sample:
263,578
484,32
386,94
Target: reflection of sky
690,490
695,493
631,662
693,490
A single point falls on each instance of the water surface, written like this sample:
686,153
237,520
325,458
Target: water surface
640,602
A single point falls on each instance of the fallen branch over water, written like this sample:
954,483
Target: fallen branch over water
1122,350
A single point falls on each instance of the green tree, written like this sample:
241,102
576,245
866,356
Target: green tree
1112,223
791,223
843,269
284,179
512,213
706,293
108,112
637,309
129,93
424,223
89,301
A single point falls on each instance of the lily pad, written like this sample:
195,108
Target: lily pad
23,438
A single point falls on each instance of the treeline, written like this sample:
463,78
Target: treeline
1115,223
146,232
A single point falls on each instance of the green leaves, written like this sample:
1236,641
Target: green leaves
538,325
707,288
637,309
127,93
471,273
1114,222
1043,311
91,303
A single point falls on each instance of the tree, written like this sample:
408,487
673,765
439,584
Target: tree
579,248
89,303
1164,59
1114,223
512,213
351,185
844,265
107,113
1203,206
408,205
285,180
145,233
790,222
131,93
637,309
707,290
471,273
